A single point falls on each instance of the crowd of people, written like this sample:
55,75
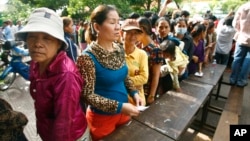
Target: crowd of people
84,87
8,29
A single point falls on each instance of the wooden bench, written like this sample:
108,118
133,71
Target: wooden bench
168,117
136,131
212,79
173,112
230,114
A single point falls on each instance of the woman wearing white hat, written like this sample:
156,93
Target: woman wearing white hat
55,81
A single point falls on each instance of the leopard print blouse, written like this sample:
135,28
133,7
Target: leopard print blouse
111,60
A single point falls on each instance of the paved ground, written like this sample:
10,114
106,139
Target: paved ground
18,96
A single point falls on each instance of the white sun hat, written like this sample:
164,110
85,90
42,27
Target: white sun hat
44,20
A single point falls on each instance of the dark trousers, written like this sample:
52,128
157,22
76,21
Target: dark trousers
165,84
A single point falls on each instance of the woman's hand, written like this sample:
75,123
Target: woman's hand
130,109
137,99
150,99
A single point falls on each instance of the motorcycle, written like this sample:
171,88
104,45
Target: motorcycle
14,51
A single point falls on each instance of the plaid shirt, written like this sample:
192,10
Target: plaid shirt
155,56
11,122
154,53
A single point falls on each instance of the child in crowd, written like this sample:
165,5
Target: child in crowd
176,62
163,29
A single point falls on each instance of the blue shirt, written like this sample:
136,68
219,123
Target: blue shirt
7,33
72,47
110,88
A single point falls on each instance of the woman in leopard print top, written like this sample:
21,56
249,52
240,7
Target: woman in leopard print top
103,67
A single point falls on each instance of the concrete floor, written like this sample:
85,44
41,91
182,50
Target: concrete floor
18,96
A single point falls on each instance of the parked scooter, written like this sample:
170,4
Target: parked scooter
8,69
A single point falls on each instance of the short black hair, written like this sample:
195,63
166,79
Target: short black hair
212,17
148,14
185,13
210,25
153,19
228,21
168,46
133,15
7,22
145,24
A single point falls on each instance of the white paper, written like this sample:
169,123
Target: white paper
142,108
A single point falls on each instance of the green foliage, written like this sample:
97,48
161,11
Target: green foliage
79,9
83,8
136,2
52,4
178,2
16,10
232,5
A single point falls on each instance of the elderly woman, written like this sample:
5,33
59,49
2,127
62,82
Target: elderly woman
55,81
136,59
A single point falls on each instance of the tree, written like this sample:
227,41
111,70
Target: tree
85,7
52,4
232,5
16,10
80,9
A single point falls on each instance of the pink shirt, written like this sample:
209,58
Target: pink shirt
57,100
241,23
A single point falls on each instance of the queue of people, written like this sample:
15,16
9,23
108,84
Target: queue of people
87,96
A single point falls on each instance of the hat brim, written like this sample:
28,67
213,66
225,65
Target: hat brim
34,27
127,28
